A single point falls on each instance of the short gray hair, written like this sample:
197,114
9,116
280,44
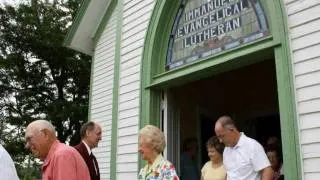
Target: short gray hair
90,125
42,124
226,122
153,136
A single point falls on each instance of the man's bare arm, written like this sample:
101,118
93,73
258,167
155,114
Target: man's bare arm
267,173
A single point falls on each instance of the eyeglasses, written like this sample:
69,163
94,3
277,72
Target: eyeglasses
223,135
30,138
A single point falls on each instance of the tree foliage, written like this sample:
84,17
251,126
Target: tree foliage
39,78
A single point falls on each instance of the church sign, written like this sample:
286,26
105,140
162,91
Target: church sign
204,28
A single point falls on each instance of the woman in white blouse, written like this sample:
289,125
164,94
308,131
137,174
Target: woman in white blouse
214,169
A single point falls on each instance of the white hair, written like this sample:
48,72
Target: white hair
154,136
42,124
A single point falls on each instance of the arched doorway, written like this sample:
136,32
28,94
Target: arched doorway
157,79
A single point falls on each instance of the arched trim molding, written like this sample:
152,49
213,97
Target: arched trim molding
155,78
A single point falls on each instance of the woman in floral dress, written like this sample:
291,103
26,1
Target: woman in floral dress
151,145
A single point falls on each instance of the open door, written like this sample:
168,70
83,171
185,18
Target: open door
171,128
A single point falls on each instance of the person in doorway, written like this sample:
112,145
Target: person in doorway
61,162
7,168
274,155
244,158
90,133
151,145
214,169
273,142
189,170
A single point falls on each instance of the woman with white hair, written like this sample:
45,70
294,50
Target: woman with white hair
151,145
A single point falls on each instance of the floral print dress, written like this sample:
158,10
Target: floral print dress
161,169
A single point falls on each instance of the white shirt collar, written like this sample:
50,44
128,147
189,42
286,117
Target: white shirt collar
88,148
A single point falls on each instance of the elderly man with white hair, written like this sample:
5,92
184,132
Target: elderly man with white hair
60,161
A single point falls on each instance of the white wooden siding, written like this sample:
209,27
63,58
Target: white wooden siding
304,33
102,86
136,16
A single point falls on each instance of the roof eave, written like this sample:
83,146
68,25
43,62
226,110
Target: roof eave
81,34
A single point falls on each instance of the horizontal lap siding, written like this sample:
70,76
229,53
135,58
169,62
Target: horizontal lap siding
101,89
304,32
136,15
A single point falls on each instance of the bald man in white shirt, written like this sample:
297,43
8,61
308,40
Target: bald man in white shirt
7,168
243,157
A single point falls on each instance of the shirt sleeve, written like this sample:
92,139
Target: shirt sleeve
7,168
259,158
64,167
169,172
204,169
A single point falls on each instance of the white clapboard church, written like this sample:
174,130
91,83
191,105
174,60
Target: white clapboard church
180,64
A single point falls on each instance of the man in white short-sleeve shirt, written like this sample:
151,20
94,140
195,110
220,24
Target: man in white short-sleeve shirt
7,169
244,158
